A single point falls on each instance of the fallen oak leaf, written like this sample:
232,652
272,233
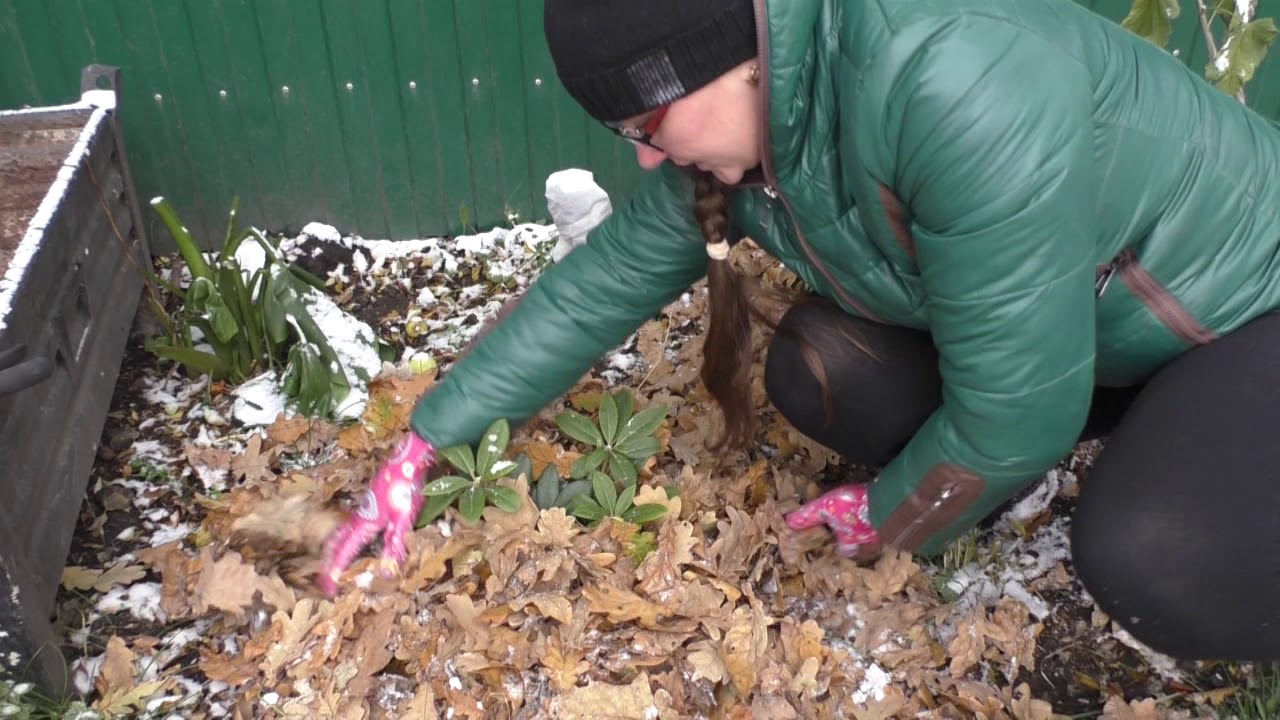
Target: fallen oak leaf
551,605
228,584
745,644
290,631
654,495
890,575
660,572
705,661
254,463
622,606
1117,709
76,577
601,700
296,519
300,432
128,703
565,666
117,673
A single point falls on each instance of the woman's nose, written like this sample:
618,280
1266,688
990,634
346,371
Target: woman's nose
649,157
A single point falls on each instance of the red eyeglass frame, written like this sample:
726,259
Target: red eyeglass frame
642,135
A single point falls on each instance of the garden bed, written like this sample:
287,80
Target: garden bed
71,246
189,593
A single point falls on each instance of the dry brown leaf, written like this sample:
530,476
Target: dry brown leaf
433,562
705,660
178,570
467,616
738,539
883,708
372,651
1011,631
290,632
655,495
254,464
890,575
81,578
286,430
117,674
601,701
744,646
772,707
541,454
802,642
565,666
228,584
660,572
556,528
1024,707
128,703
969,643
217,460
621,606
233,670
555,606
294,519
806,677
1117,709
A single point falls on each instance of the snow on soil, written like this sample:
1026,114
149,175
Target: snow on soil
260,400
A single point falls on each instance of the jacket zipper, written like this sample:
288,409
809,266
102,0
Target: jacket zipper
1155,296
771,186
909,532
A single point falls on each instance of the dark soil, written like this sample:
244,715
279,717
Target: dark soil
32,150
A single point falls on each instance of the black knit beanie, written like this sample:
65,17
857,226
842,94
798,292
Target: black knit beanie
622,58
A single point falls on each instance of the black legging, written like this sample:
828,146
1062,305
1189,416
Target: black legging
1176,533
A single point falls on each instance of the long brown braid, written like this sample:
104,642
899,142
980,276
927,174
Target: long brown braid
726,354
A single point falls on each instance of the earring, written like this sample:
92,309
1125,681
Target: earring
754,74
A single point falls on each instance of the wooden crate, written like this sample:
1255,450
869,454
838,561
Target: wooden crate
71,245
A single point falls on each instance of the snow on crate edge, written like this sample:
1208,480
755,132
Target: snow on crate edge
30,244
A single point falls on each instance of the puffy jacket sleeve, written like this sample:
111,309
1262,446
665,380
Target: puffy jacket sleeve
988,131
633,264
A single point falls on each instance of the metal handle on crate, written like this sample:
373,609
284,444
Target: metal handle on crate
18,374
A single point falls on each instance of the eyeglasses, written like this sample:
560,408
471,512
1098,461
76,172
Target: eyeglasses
642,135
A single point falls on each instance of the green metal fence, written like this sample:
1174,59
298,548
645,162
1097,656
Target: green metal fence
390,118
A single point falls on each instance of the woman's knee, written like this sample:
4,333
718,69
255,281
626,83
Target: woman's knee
860,388
1169,569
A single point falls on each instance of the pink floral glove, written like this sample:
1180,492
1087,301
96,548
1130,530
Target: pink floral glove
389,506
844,511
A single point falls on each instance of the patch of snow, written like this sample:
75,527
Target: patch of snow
1038,501
874,682
140,600
321,231
151,450
251,257
164,535
259,400
355,344
174,391
84,672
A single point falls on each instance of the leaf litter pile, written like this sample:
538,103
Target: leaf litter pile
188,591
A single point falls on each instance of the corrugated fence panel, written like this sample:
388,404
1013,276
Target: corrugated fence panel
398,118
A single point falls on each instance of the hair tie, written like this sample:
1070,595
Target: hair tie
719,250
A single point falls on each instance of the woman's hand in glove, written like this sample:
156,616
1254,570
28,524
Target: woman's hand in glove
844,512
390,506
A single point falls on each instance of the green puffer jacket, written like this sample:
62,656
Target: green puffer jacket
1057,201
